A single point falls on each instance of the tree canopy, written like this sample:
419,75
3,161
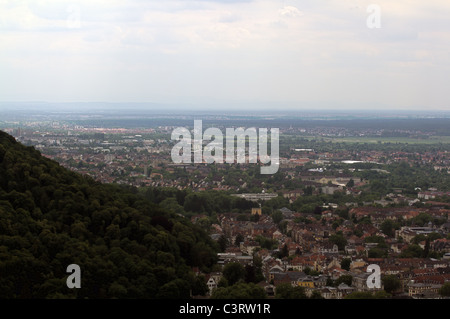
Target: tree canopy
126,245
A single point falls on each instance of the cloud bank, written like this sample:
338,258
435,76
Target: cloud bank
293,53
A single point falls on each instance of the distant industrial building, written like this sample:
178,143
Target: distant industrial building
257,196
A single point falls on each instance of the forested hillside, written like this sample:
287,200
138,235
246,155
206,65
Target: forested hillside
125,245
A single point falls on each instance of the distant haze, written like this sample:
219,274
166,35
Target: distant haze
228,54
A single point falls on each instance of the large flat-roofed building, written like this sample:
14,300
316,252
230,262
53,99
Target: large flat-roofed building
256,196
408,233
422,289
225,258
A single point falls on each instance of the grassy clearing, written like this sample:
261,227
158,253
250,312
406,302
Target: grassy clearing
384,140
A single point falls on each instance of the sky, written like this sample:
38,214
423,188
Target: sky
353,54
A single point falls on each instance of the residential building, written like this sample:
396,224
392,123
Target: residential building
423,289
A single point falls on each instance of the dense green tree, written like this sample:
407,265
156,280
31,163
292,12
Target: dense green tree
350,183
277,217
223,243
240,291
346,279
422,219
338,239
266,243
175,289
412,251
258,265
388,227
311,272
345,263
368,295
343,213
316,295
418,238
239,238
250,274
377,252
426,249
391,283
171,205
233,272
329,282
284,252
286,291
445,290
433,236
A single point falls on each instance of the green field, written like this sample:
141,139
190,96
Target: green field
382,140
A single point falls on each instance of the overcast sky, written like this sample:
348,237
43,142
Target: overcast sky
246,53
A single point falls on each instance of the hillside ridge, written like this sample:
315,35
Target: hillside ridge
126,246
